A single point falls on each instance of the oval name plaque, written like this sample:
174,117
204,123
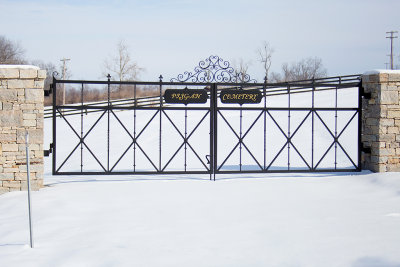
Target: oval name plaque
185,96
230,96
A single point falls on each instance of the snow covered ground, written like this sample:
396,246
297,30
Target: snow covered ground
325,219
238,220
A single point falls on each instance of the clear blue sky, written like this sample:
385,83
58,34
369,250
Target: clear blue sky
171,36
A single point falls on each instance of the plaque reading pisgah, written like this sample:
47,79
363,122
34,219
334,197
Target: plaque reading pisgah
185,96
230,96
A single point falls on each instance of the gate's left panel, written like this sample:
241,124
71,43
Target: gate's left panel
113,128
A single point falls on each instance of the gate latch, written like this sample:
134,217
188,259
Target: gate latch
208,159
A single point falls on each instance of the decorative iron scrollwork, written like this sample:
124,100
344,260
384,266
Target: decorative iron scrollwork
214,69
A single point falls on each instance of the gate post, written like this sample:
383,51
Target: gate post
381,121
21,111
213,130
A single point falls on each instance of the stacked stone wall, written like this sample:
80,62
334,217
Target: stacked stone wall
381,121
21,111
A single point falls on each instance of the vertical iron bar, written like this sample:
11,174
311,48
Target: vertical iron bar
108,122
82,129
54,87
288,89
215,127
211,131
185,137
265,121
134,129
336,113
359,126
312,124
240,138
160,110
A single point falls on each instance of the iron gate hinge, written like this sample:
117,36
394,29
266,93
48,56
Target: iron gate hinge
50,91
366,150
364,94
49,151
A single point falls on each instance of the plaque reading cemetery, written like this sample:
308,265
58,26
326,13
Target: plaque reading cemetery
230,96
185,96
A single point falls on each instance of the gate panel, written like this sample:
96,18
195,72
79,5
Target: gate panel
130,137
309,126
209,121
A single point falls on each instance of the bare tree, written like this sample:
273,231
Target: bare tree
121,65
10,52
265,55
241,68
308,68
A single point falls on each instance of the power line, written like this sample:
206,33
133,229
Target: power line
391,37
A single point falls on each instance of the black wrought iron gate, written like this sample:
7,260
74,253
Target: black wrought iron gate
209,121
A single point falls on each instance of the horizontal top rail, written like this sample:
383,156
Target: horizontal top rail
271,89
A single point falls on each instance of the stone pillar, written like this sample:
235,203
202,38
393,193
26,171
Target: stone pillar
21,111
381,121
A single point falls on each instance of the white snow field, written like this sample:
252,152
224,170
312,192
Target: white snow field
322,219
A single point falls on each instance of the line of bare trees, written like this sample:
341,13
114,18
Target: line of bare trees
122,67
305,69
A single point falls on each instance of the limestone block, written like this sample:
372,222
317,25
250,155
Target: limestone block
8,106
6,176
376,159
389,97
9,73
39,85
393,114
372,78
35,136
42,74
8,95
10,170
3,189
35,185
7,138
368,138
380,167
28,73
27,106
393,160
386,122
383,77
32,168
22,176
393,130
39,175
387,138
12,184
9,147
20,92
386,151
372,121
34,96
392,88
15,189
394,77
29,123
18,84
29,116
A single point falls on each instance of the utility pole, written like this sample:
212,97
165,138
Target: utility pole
391,37
64,69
